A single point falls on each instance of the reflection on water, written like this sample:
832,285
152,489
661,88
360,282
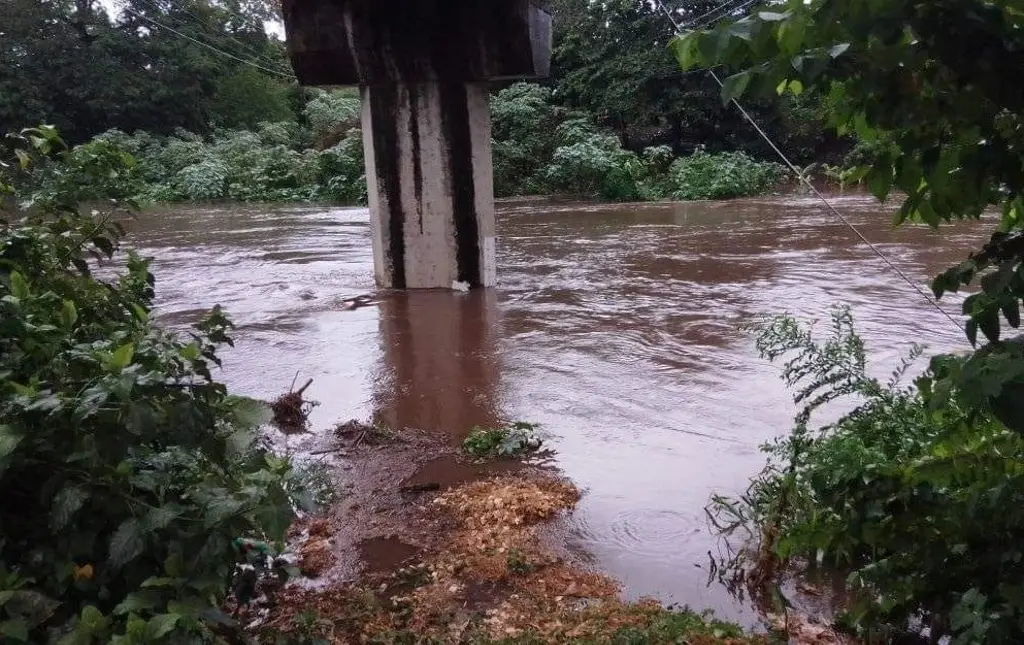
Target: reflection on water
440,367
614,326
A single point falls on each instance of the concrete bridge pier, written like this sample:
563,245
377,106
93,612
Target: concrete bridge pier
424,68
431,189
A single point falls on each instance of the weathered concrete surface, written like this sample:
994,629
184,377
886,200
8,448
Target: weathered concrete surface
431,188
367,42
422,65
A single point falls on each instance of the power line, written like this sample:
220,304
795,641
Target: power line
208,46
261,58
807,182
717,9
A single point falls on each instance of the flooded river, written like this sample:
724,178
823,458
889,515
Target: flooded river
615,327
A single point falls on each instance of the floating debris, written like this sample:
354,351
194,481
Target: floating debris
291,411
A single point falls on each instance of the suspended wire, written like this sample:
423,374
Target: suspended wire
208,46
720,7
247,49
807,182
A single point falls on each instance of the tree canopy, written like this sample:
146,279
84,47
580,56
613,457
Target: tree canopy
153,66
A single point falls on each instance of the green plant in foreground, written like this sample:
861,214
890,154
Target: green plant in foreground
920,509
513,440
127,471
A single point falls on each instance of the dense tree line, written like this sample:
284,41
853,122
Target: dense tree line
161,65
151,67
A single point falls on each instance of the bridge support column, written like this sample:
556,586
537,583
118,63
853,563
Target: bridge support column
430,181
423,66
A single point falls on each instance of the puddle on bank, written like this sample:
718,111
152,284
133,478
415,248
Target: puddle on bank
446,472
381,555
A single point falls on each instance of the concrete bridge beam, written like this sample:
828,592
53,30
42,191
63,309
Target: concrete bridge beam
423,66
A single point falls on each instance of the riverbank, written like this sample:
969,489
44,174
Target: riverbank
426,545
614,328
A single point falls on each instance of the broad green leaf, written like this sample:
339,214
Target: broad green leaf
67,502
104,244
174,565
1011,311
137,601
9,441
93,619
221,509
190,352
734,86
24,160
19,286
160,626
743,29
838,50
126,543
122,356
249,413
68,314
160,517
989,325
796,87
686,50
158,582
880,181
15,629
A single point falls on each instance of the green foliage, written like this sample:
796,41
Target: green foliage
582,160
262,166
919,507
341,173
723,175
332,114
932,90
247,96
514,440
523,116
611,59
592,164
680,626
86,66
127,471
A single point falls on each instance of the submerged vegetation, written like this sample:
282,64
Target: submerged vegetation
514,440
915,505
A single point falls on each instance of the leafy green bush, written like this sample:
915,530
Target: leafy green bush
723,175
523,116
127,472
514,440
202,181
589,163
331,114
238,165
341,172
919,506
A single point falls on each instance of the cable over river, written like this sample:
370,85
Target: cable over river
615,327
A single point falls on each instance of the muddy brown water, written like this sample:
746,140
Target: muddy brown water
615,327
